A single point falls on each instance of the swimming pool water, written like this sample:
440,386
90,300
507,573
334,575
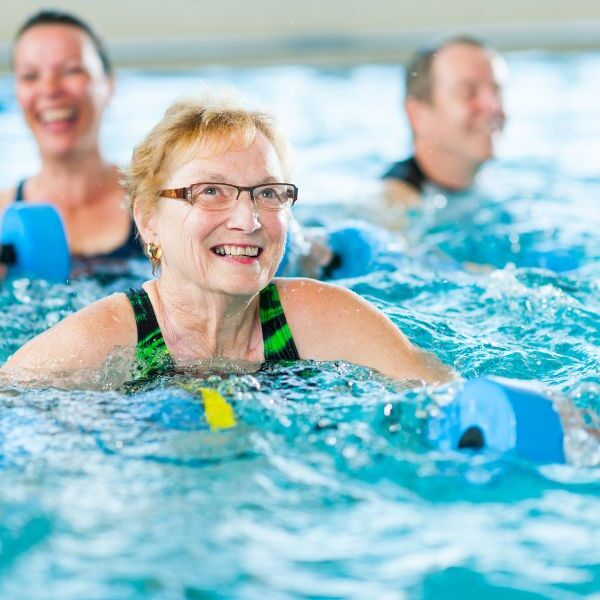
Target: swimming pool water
327,488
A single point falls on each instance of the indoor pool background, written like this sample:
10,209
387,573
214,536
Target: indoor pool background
326,488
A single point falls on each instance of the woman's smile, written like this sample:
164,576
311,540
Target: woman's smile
58,119
238,253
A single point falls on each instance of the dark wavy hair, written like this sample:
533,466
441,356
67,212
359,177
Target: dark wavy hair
57,17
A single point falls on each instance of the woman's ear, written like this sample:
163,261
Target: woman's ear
144,222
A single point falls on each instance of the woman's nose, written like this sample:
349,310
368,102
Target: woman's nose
244,214
50,84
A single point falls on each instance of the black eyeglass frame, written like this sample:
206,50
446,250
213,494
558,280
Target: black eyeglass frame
185,193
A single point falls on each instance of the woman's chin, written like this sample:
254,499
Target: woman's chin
242,285
60,150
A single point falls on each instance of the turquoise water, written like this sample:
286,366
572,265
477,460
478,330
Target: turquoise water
327,488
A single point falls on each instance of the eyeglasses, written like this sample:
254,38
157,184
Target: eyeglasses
224,196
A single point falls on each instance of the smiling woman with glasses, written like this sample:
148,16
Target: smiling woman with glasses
207,194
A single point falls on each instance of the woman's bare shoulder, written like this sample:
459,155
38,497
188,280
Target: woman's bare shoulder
82,340
301,289
315,309
309,296
329,322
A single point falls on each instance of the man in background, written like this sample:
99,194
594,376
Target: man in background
454,107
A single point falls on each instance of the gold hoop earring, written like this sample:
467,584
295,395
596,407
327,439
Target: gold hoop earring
153,252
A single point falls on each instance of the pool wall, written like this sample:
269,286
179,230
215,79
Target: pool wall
182,32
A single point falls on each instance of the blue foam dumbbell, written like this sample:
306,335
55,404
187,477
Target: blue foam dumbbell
502,415
33,242
357,249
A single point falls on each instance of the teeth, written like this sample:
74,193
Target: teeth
228,250
57,114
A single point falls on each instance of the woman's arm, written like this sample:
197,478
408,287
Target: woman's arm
82,341
329,322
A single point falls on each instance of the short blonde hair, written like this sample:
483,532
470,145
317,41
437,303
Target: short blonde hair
217,122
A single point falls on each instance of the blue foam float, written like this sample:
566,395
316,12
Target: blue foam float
34,243
500,415
358,248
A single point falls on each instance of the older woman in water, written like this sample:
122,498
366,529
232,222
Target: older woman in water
211,196
64,83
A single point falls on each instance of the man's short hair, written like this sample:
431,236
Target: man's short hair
419,80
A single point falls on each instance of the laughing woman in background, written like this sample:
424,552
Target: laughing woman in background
64,83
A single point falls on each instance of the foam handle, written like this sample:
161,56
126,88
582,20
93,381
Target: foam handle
33,236
356,247
502,415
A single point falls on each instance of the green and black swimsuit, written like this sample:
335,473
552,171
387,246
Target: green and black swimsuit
154,357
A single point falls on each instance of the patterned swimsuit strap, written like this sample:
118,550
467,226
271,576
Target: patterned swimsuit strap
152,350
277,337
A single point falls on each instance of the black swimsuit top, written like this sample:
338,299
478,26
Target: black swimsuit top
409,171
154,357
129,249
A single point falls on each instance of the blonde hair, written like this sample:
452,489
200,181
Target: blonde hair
217,122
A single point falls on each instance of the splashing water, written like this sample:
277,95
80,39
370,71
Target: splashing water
324,486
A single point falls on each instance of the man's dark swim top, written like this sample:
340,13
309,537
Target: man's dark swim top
154,357
130,248
409,171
